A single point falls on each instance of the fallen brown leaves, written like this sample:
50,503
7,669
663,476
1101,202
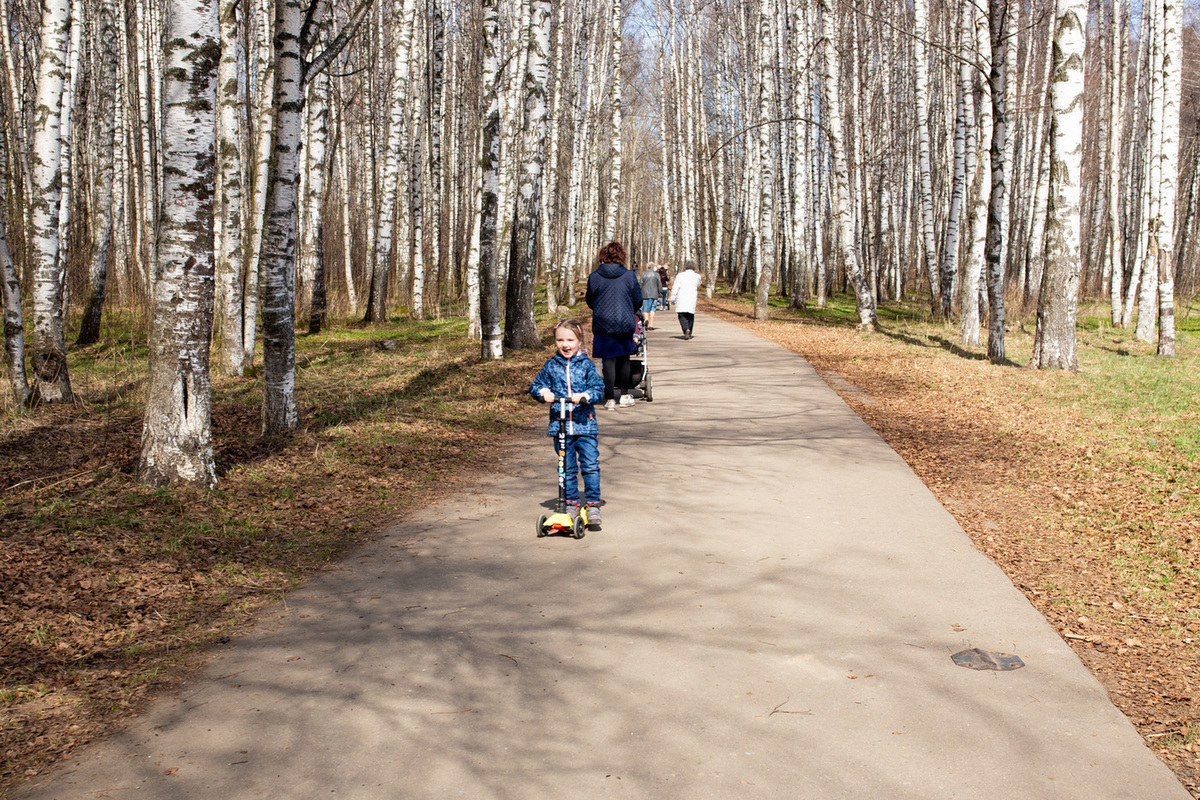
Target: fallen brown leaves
109,590
1087,534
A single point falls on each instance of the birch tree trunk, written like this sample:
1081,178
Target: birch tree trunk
14,328
1152,204
317,163
614,192
177,434
999,20
489,293
520,329
766,174
864,299
394,164
51,382
1169,152
981,184
1054,345
227,216
254,222
277,270
105,143
342,154
1116,123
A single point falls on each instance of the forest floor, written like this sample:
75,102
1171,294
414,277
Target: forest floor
1081,487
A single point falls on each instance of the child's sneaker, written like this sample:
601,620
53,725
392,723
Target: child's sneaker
593,516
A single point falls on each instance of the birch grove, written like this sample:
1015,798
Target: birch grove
398,158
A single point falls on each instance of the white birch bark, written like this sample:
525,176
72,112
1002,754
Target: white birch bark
277,273
550,253
342,155
105,147
764,227
312,268
1054,344
227,216
51,382
489,293
1116,131
254,221
520,329
14,328
1169,158
68,145
864,299
981,186
394,162
1147,314
145,52
177,434
614,192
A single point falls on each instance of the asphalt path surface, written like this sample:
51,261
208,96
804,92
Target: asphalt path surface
770,610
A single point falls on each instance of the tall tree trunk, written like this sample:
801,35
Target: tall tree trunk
1054,345
979,45
51,382
14,328
404,12
277,270
489,294
1116,126
766,175
520,328
999,19
102,216
177,434
1169,151
864,299
227,216
615,98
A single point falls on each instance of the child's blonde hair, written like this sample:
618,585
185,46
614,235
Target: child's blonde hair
574,324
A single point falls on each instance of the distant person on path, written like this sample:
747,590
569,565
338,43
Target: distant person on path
651,286
570,373
615,298
683,297
665,278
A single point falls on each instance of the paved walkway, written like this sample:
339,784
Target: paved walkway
769,611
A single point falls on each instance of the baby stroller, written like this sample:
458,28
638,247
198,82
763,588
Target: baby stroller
639,369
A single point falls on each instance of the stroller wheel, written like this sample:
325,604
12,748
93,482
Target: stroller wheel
649,390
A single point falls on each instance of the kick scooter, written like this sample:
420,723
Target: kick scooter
560,521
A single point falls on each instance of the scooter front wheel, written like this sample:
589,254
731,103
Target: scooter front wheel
541,526
577,528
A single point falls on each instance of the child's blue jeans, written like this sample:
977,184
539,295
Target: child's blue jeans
582,457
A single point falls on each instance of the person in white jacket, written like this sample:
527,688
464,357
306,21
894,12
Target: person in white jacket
684,289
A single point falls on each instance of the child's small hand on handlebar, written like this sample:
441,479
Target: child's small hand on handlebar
579,397
546,395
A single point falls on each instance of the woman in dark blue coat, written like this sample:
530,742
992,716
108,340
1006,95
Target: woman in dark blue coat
615,297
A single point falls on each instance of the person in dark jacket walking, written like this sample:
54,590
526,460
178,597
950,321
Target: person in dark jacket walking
615,298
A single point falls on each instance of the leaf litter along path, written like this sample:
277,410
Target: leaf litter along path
1008,471
110,591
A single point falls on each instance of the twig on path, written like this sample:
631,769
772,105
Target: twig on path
779,709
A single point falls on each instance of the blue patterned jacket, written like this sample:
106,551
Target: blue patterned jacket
565,378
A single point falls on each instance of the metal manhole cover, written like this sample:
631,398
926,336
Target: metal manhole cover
983,659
